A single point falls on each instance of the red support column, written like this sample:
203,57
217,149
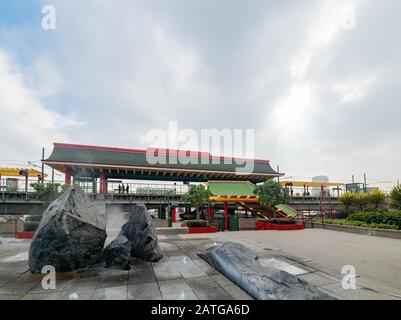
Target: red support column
102,180
173,213
209,211
67,178
225,216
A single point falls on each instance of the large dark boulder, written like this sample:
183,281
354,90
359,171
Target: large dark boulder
118,252
70,236
241,265
140,231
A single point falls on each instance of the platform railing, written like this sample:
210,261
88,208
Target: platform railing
113,190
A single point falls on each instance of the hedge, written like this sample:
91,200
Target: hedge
196,223
385,218
351,223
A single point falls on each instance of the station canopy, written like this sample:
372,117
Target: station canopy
18,172
155,164
310,184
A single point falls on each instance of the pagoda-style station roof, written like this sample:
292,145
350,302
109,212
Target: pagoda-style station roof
172,165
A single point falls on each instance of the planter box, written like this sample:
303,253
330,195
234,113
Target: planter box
25,234
209,229
279,227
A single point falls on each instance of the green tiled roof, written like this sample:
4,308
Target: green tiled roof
222,188
123,157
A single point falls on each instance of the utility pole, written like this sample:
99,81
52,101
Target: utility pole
364,182
43,165
278,171
52,175
353,179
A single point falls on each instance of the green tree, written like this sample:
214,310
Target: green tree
348,200
377,198
361,201
197,196
46,192
395,197
271,193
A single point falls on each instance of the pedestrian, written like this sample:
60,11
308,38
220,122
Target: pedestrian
119,188
127,189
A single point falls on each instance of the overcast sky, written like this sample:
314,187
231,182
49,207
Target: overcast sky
322,92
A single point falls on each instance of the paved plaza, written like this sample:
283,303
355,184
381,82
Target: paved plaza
313,255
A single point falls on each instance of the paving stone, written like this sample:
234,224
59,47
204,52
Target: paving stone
213,294
203,283
11,297
113,278
141,276
237,293
82,284
222,280
181,295
76,295
42,296
18,288
60,285
359,293
114,293
144,290
166,271
169,287
318,279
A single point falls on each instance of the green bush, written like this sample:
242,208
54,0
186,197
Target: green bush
355,223
385,218
282,221
197,223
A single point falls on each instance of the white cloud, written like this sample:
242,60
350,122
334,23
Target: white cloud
26,123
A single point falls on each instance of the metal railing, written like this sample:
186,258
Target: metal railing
113,190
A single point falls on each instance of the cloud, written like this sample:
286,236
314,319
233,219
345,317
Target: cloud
318,93
26,123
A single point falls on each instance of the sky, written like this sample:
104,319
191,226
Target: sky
317,81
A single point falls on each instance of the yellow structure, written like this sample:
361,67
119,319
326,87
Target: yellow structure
19,172
310,184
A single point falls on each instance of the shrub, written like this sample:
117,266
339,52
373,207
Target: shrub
197,223
282,221
387,218
355,223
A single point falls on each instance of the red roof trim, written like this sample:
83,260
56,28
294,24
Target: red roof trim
163,151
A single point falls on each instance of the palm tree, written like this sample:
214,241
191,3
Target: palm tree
361,200
395,197
348,201
377,198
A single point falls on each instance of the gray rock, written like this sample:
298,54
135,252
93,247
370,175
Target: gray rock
241,265
70,236
140,231
118,252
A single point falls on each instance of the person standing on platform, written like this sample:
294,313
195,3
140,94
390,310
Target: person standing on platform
119,188
127,189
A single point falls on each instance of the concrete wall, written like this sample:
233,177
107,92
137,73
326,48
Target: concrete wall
359,230
247,224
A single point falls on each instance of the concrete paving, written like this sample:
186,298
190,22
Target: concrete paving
317,256
180,275
377,260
